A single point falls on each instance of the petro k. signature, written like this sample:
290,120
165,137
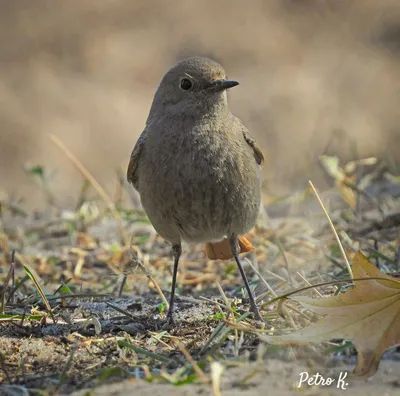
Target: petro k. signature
319,380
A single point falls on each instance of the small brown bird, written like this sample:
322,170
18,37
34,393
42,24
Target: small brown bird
196,166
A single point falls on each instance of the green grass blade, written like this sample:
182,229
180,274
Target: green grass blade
39,289
141,351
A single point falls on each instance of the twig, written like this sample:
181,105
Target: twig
332,227
95,185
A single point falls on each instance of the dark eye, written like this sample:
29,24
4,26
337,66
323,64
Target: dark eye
185,84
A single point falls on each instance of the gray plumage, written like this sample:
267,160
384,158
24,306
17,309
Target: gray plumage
195,165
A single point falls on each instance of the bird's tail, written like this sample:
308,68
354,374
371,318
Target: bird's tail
222,250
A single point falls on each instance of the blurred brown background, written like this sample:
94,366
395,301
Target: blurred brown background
316,77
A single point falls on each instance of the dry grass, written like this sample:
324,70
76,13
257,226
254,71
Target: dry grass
74,262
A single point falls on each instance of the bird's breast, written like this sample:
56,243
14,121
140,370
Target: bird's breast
201,180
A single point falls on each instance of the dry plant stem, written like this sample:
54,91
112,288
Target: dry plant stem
118,195
7,281
334,282
199,371
289,315
122,285
146,371
284,313
309,284
229,308
137,260
271,290
82,194
280,247
357,210
151,279
298,312
240,327
216,303
32,276
228,305
216,373
95,185
333,228
190,299
13,277
277,276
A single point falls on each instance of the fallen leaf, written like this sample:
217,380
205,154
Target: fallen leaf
342,179
368,315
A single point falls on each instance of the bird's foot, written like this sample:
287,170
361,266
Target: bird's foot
168,322
256,313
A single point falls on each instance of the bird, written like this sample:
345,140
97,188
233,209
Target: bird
197,168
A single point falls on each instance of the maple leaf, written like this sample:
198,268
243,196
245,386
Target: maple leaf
368,315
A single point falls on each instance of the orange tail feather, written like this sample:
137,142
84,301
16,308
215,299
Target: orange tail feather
222,250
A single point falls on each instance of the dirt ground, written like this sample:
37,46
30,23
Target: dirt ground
45,351
109,344
273,377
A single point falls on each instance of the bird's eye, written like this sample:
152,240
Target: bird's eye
185,84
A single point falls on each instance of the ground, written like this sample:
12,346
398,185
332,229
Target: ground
85,313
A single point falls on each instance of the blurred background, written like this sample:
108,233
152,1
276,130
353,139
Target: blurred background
316,77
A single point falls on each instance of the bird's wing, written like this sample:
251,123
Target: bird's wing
258,155
138,150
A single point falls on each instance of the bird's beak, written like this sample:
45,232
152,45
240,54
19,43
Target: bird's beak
222,85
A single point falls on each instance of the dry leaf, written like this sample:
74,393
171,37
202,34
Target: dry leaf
368,315
331,165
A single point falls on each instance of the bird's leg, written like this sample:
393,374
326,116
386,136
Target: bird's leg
176,251
235,251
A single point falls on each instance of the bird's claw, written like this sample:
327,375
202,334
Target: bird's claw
257,314
168,322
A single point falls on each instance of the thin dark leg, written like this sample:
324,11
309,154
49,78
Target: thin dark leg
235,251
176,251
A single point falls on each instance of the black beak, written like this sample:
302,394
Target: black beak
222,85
